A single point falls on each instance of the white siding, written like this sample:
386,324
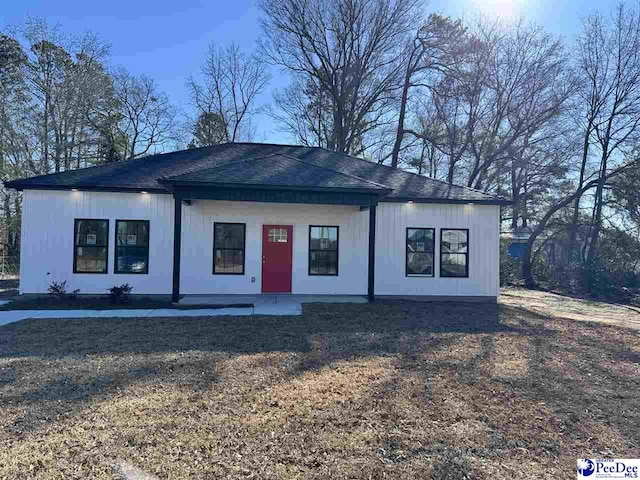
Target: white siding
47,239
197,246
47,244
484,236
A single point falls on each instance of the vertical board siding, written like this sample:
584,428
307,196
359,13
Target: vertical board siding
47,244
484,233
197,246
47,239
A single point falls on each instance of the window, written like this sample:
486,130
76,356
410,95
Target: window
277,235
323,250
90,246
132,246
420,250
228,248
454,253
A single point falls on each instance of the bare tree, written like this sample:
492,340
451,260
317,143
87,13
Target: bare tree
609,66
561,202
15,137
436,46
304,111
47,64
537,167
85,84
66,77
454,108
348,51
147,119
231,84
522,85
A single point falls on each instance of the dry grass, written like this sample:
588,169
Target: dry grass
393,390
573,308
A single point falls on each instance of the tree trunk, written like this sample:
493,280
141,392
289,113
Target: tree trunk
18,216
7,224
595,235
45,138
573,226
527,273
403,109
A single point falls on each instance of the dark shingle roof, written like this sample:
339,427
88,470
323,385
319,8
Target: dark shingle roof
270,163
277,170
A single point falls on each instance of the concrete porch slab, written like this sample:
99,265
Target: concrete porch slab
268,299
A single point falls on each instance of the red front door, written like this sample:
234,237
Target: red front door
277,246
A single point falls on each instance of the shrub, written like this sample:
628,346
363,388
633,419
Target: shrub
59,290
120,294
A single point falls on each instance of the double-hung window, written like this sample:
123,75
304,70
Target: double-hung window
228,248
454,253
323,250
420,250
132,246
90,246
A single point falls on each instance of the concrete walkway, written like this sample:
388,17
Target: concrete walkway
289,305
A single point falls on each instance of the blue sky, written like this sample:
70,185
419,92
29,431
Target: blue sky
168,40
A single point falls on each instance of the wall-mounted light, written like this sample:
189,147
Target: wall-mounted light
74,189
144,193
410,202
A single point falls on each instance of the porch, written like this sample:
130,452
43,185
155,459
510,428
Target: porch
290,197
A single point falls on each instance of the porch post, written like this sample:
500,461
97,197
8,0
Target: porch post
177,237
372,251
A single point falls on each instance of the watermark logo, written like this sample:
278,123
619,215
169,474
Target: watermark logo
586,467
592,469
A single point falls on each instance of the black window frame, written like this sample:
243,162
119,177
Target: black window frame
244,248
466,254
76,246
337,250
433,253
115,248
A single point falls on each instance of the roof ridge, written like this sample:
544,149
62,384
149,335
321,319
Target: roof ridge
267,143
412,173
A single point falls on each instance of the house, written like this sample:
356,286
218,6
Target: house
248,218
516,240
553,249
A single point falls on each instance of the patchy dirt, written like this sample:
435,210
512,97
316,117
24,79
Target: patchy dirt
391,390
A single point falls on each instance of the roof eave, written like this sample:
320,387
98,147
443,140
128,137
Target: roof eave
171,184
20,186
457,201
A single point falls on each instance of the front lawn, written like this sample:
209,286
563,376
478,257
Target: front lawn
391,390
